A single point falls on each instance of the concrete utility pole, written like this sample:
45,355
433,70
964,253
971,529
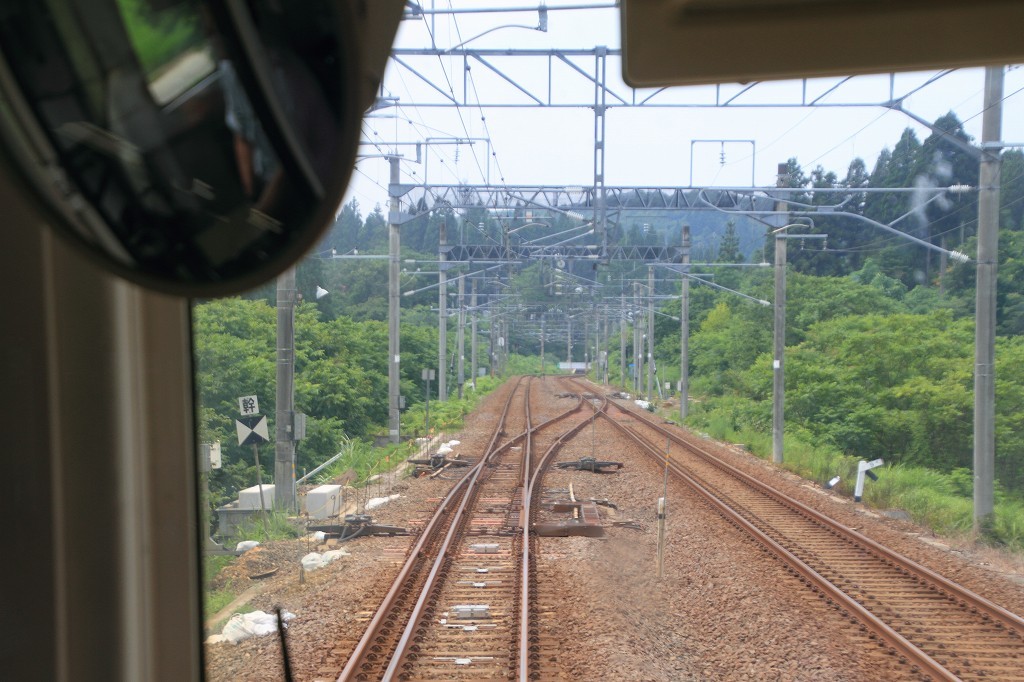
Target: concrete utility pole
779,348
492,330
394,301
500,353
604,356
472,332
638,349
650,332
779,333
442,316
461,334
568,344
985,303
622,342
684,330
542,344
284,437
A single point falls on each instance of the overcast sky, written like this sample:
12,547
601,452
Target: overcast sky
643,147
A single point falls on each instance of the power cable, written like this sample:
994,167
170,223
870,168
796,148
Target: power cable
451,89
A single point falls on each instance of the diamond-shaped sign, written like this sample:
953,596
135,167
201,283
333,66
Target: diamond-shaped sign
252,430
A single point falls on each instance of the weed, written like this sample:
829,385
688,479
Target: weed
939,501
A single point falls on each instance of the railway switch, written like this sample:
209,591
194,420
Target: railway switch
590,464
357,526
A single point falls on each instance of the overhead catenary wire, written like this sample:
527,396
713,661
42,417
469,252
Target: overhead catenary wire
451,89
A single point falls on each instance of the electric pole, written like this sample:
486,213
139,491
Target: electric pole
622,341
568,345
442,316
650,332
542,343
461,334
684,330
284,418
472,332
638,351
985,303
779,331
394,309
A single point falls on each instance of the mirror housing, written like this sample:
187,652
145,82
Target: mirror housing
194,147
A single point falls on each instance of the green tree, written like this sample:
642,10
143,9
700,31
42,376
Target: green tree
729,247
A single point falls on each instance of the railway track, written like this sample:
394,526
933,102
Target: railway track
941,630
460,606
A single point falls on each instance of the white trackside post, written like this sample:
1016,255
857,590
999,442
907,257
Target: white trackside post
862,469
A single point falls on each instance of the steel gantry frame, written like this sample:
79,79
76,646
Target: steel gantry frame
583,83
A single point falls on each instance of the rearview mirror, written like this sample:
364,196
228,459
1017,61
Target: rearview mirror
197,148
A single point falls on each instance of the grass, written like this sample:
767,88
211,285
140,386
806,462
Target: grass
447,415
939,501
215,600
212,565
159,36
278,528
367,460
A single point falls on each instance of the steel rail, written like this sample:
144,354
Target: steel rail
524,603
430,584
473,480
1007,618
897,641
905,648
453,527
416,554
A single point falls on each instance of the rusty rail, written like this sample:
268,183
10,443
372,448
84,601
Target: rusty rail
898,643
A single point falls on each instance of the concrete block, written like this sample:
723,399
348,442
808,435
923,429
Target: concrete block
250,497
324,502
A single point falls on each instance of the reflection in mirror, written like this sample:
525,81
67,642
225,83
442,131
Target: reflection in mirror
197,146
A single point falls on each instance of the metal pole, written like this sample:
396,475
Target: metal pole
604,356
284,446
394,302
588,358
259,482
426,410
622,342
498,354
568,345
985,304
779,338
661,536
472,333
600,109
461,334
779,330
542,344
638,351
442,315
650,333
684,331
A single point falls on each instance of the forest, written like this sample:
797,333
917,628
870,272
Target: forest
879,330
